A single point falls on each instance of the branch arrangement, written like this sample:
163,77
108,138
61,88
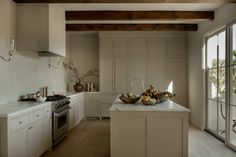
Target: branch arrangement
68,63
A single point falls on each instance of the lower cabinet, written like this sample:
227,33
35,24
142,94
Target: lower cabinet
31,139
35,139
18,143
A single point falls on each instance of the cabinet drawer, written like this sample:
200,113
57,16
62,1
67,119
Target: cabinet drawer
48,112
18,122
36,116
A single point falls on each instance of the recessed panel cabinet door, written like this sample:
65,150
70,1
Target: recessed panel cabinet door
176,79
138,48
157,47
121,71
137,72
106,75
156,73
35,139
18,143
120,47
105,47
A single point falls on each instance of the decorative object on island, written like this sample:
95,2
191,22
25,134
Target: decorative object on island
129,98
12,48
76,76
151,96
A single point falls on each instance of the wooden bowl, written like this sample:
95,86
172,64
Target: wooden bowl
149,102
129,100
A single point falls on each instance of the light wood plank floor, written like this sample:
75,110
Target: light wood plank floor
91,138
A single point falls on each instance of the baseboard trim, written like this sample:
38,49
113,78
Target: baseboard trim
196,125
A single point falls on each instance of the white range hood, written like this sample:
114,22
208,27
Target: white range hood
40,28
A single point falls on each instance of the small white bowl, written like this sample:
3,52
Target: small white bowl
41,99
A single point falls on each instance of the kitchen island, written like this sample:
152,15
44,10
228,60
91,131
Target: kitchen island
159,130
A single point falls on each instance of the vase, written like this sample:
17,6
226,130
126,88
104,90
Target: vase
78,87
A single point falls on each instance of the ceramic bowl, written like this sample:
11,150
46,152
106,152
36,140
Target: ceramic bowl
41,99
129,100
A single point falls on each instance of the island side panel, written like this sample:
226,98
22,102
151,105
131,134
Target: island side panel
167,133
128,134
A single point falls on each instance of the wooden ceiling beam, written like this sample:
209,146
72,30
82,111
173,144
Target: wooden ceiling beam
124,1
139,15
131,27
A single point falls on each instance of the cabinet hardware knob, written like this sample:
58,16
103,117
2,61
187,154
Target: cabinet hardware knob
30,127
20,122
37,115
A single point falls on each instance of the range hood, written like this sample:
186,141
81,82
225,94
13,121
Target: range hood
41,28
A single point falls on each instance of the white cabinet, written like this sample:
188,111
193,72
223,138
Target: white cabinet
157,47
137,70
105,47
30,140
41,28
76,113
156,72
35,139
177,47
120,47
18,143
106,75
138,48
105,102
121,75
91,104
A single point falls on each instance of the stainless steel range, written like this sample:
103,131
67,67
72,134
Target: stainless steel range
60,117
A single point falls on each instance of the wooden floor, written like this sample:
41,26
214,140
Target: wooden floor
91,138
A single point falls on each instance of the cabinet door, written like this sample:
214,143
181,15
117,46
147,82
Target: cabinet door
156,73
35,139
176,78
47,136
157,47
177,47
18,142
137,72
81,110
106,75
121,71
104,109
164,136
76,113
105,47
128,135
138,48
120,48
91,109
71,115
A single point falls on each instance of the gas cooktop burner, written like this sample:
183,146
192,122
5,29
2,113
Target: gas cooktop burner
55,98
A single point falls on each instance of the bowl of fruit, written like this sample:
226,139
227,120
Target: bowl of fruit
129,98
152,96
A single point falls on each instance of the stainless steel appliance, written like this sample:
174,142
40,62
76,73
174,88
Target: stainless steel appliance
60,117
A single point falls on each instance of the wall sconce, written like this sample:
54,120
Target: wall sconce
50,65
12,46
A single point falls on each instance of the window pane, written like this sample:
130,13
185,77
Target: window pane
212,52
212,115
233,85
222,87
222,49
212,84
234,45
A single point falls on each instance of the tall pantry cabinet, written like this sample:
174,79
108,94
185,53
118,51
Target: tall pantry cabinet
157,59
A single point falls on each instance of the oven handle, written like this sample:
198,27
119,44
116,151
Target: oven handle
61,113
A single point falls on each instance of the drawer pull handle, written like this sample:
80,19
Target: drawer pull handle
30,127
20,122
37,115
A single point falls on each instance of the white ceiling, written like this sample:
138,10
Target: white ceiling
141,6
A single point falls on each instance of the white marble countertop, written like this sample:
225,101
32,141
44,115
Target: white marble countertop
169,106
20,107
71,94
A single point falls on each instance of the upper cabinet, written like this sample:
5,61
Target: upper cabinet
41,28
138,48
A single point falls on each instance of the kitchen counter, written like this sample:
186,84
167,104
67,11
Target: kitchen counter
118,105
20,107
70,94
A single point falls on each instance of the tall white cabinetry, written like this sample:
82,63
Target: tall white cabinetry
157,59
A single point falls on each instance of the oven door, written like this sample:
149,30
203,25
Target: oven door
60,123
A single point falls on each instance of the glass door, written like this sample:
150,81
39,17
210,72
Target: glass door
216,84
232,89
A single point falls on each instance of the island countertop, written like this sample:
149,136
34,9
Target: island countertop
169,106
